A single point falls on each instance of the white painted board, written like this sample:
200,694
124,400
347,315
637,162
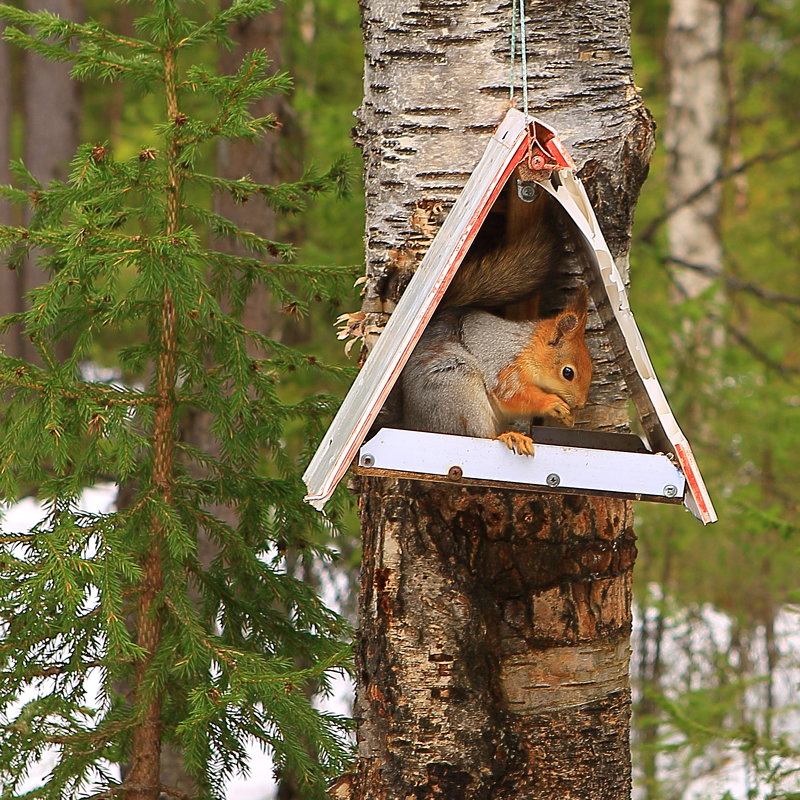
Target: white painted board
550,467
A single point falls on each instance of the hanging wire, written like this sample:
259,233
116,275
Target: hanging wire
512,76
515,5
524,51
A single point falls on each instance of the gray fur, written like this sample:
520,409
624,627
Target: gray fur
495,342
461,351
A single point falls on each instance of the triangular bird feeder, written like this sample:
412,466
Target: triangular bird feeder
575,461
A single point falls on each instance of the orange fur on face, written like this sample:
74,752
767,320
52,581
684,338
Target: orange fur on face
524,399
534,384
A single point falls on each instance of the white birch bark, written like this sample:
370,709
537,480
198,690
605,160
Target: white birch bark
470,597
692,137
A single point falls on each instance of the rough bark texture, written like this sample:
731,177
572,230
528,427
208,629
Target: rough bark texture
493,650
493,647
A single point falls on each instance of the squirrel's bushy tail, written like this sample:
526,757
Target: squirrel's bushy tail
517,265
508,273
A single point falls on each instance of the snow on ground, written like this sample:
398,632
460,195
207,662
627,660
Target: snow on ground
695,639
20,518
259,784
726,772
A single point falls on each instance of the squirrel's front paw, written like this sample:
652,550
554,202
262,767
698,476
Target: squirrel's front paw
560,410
518,442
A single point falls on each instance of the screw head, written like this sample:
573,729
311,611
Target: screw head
670,490
367,460
455,473
553,479
526,191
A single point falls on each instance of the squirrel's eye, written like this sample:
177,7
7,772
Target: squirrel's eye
568,373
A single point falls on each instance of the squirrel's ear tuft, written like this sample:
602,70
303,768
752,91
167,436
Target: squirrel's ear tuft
580,305
572,321
564,326
567,322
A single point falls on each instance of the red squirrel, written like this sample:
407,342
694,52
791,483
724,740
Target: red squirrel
474,373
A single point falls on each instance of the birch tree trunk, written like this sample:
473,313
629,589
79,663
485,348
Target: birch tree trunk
494,636
692,137
693,140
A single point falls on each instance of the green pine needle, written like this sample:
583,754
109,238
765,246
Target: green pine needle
135,256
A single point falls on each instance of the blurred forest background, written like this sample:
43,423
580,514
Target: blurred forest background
715,287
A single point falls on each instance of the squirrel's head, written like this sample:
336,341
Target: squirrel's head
564,364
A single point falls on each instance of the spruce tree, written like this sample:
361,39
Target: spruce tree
202,655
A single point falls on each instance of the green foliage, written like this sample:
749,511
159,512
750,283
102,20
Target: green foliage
739,410
739,407
212,642
325,51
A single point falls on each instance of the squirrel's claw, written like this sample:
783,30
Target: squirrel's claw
518,442
561,411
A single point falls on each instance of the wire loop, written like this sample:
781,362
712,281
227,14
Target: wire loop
518,11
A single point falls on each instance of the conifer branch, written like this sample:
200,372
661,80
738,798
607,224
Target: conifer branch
100,395
107,66
51,25
217,28
32,672
111,591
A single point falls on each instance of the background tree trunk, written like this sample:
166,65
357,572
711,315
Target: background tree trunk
260,160
693,141
5,122
494,635
693,47
51,110
9,292
51,105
